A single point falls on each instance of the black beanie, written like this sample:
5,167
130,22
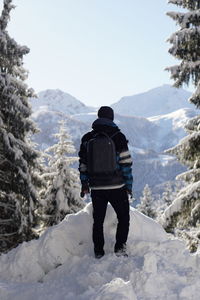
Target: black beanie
106,112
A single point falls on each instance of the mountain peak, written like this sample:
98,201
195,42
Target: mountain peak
53,92
57,100
157,101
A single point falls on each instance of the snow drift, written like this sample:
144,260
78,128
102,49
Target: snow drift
61,264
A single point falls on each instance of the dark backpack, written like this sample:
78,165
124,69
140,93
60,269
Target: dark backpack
101,155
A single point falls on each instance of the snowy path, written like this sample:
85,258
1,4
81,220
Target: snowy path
60,265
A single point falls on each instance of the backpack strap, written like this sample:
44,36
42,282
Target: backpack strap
114,134
104,133
101,133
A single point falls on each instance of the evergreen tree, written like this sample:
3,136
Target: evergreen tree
146,203
63,186
163,201
185,210
167,195
185,46
18,160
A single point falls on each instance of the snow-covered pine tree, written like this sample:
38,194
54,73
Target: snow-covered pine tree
63,186
146,203
185,209
167,195
17,158
163,201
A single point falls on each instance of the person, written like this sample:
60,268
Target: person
113,189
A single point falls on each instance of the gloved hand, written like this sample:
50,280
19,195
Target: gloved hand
84,189
130,194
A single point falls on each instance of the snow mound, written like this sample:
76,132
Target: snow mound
72,237
61,264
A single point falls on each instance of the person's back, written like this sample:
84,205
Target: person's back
104,186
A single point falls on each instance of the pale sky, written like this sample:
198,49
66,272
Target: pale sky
96,50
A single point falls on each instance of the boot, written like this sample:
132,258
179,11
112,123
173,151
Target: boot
98,253
120,250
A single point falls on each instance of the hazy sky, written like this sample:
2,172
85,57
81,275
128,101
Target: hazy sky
96,50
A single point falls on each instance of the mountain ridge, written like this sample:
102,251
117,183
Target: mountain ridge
157,101
58,100
161,100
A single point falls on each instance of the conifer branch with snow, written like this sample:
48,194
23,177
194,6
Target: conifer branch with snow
18,160
184,211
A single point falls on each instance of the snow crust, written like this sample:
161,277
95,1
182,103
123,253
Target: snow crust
60,264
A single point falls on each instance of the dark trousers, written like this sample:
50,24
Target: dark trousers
118,198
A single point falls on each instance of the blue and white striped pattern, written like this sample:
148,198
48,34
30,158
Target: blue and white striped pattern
83,172
125,163
125,158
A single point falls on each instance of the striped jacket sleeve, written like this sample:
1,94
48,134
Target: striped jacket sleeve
125,163
83,162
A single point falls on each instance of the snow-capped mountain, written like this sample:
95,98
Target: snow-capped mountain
148,137
171,127
158,101
156,133
57,100
138,130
